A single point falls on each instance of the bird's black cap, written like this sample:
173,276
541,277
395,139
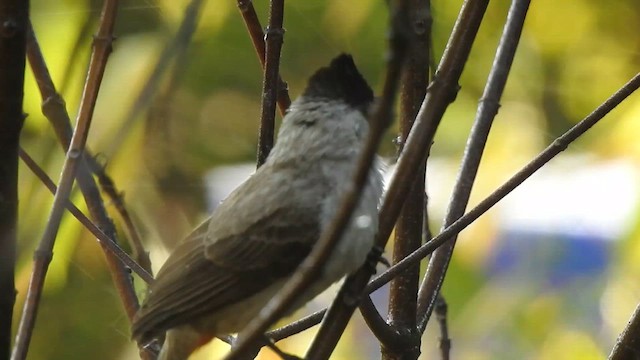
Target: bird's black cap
341,80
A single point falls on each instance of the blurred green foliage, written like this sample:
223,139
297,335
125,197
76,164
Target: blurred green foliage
573,55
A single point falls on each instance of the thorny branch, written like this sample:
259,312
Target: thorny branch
43,254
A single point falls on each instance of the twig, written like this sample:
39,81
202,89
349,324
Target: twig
43,254
256,34
53,107
403,290
312,265
140,254
442,91
627,345
14,15
487,110
178,43
88,224
556,147
273,39
441,316
296,326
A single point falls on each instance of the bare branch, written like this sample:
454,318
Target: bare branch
403,289
109,243
256,34
487,110
53,107
43,254
273,40
441,316
556,147
296,326
14,15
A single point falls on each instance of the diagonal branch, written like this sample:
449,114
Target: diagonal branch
487,110
556,147
113,247
53,107
273,39
43,254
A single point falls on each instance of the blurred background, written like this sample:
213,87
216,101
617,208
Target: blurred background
550,273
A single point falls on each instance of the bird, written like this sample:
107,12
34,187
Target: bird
221,275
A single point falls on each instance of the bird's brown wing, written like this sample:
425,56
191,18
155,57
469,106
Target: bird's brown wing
203,276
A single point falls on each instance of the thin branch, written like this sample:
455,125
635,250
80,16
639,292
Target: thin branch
296,326
487,110
179,43
140,254
441,93
14,15
256,34
109,243
43,254
312,266
441,315
627,345
53,107
273,39
556,147
403,290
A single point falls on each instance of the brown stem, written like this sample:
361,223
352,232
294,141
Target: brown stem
487,110
256,34
14,15
403,289
43,254
54,109
273,39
